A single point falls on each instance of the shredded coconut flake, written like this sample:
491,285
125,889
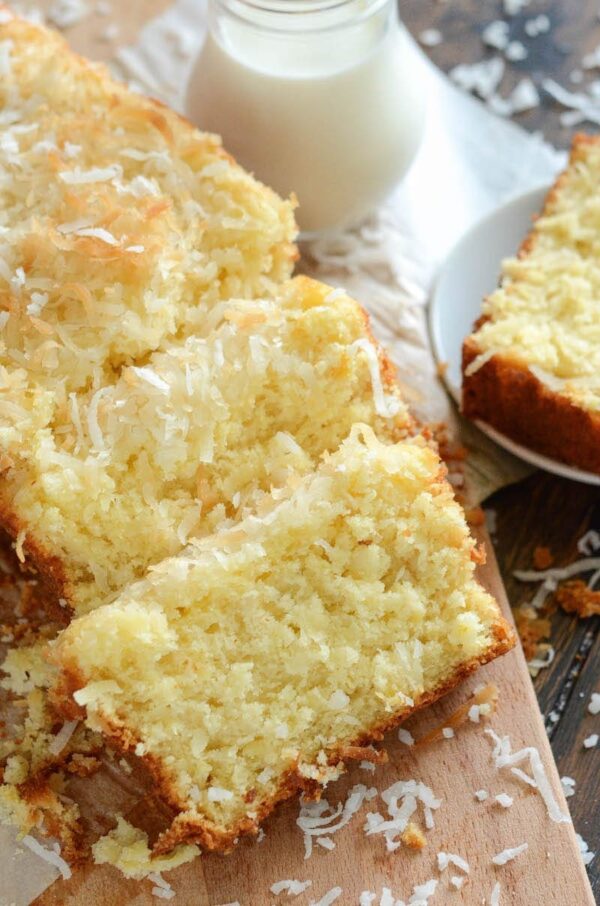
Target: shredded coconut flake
48,855
406,737
151,377
504,800
568,786
504,757
292,888
313,822
97,233
402,799
594,705
446,859
495,896
389,406
218,794
584,849
62,737
590,741
431,37
507,855
482,795
96,174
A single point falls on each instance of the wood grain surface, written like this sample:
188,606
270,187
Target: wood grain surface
540,511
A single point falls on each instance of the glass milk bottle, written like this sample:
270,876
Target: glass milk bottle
323,98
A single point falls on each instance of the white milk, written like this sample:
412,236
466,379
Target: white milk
335,117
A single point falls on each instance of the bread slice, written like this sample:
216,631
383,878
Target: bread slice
117,477
531,367
260,658
120,223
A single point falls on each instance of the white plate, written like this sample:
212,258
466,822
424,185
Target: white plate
469,273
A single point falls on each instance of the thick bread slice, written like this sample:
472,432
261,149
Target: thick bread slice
256,661
120,223
121,475
531,368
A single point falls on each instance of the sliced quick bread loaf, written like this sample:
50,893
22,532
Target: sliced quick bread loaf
257,660
531,367
121,475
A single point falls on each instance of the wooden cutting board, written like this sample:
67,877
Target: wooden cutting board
549,872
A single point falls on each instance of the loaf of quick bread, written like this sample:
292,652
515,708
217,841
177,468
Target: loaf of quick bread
531,367
212,467
260,658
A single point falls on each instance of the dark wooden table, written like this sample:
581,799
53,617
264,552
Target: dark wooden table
542,510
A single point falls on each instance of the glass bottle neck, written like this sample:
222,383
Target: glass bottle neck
303,38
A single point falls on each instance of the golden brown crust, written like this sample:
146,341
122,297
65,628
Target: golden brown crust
507,396
213,837
511,399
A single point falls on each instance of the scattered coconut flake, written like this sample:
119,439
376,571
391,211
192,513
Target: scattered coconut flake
422,892
592,59
589,543
514,7
218,794
457,881
523,97
447,732
495,896
541,663
313,822
326,843
48,855
496,34
516,51
261,835
137,249
504,757
504,800
480,78
507,855
590,741
162,889
367,766
474,713
446,859
431,37
330,897
292,888
367,898
584,849
594,705
406,737
538,25
62,737
402,799
481,795
568,786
